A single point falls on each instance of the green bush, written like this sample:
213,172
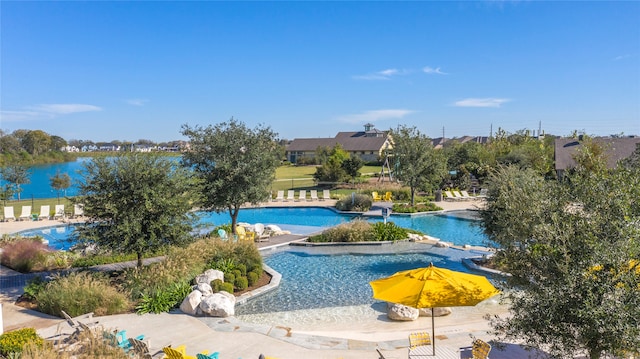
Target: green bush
242,268
241,283
34,287
252,278
13,341
419,207
80,293
98,259
388,231
227,287
354,231
163,300
215,285
356,202
229,277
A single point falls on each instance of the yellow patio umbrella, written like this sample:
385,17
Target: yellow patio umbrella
431,287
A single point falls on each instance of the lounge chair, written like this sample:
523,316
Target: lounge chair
291,195
59,212
420,345
207,356
280,196
75,322
314,195
141,349
78,210
388,197
302,195
223,234
466,195
243,235
457,195
480,349
44,212
376,196
449,196
180,352
120,339
8,214
483,192
26,213
262,235
326,194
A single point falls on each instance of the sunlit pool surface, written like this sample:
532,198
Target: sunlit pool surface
305,221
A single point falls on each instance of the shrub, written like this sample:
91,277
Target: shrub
227,287
252,278
354,231
242,268
98,259
80,293
23,255
34,287
241,283
419,207
388,231
229,277
356,202
215,285
163,300
13,341
88,346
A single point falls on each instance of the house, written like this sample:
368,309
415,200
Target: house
369,145
616,149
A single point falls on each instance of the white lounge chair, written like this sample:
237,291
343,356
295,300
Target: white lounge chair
314,195
449,196
59,212
8,214
291,195
44,212
302,195
483,192
326,194
78,210
26,213
262,234
466,195
280,196
457,195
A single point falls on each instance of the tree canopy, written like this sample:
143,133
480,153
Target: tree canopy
137,203
573,250
236,164
419,165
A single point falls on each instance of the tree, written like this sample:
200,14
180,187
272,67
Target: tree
573,251
135,204
236,165
16,175
337,165
36,142
60,182
419,165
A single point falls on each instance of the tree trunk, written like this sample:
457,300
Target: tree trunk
139,259
234,218
413,193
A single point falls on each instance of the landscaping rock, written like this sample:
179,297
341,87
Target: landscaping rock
191,302
437,312
209,276
205,289
401,312
220,304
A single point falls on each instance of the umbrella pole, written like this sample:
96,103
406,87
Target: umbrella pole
433,333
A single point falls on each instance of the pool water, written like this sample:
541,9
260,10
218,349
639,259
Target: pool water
305,221
311,281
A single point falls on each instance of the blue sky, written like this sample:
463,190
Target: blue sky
107,71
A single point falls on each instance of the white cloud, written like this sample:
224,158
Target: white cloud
375,115
136,102
45,111
381,75
431,70
622,57
481,102
64,109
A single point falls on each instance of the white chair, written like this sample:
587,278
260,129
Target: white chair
291,195
457,195
8,213
262,234
466,195
302,195
449,196
314,195
78,210
59,212
326,194
26,213
44,212
280,196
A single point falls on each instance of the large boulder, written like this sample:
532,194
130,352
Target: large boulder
205,289
209,276
221,304
401,312
437,312
191,302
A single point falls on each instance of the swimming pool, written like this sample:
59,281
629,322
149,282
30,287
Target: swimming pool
307,220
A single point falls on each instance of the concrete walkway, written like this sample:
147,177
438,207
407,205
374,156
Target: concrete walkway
236,339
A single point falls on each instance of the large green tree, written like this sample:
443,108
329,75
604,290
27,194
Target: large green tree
336,165
135,203
15,175
573,251
60,182
236,164
418,165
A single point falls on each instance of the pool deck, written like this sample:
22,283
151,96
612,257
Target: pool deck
236,339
